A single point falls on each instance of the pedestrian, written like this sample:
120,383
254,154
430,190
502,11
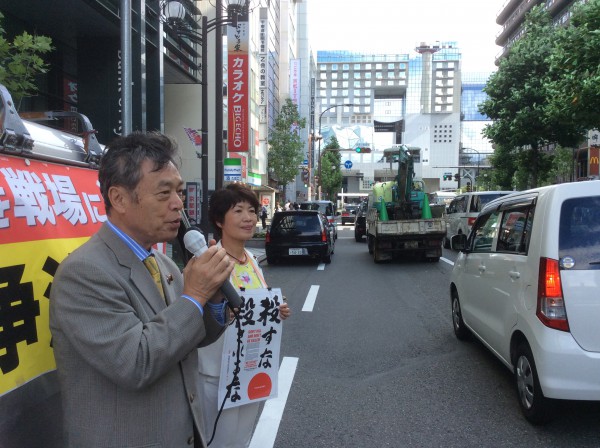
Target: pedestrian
263,216
232,212
125,322
287,205
278,207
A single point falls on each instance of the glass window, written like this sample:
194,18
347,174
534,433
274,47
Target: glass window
378,75
334,84
345,75
378,66
368,66
515,230
368,75
356,83
334,76
356,75
345,84
390,66
334,66
579,234
356,66
484,231
346,67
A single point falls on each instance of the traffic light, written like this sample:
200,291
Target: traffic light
468,186
457,177
363,150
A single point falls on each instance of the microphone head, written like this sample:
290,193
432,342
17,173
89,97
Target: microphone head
194,241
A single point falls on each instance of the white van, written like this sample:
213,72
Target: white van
464,208
527,284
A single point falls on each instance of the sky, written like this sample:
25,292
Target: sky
397,26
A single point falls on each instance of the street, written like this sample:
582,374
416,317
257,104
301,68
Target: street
378,364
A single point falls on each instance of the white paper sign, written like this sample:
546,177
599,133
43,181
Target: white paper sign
252,344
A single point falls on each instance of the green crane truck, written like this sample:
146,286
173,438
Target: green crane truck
399,220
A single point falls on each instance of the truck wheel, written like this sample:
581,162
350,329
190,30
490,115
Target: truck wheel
370,244
327,259
357,238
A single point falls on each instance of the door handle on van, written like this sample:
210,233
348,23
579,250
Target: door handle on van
515,275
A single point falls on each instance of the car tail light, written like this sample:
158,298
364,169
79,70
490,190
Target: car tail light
268,237
471,221
551,305
324,235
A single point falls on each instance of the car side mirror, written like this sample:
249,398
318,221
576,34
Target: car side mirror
459,242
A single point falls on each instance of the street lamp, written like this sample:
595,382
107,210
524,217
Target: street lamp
174,14
320,118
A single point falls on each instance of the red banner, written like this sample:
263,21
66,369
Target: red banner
238,78
40,201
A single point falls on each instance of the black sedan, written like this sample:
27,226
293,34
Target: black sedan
299,234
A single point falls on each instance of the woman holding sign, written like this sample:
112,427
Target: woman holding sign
233,212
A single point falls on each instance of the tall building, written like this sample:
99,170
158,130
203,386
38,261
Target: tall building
414,99
512,17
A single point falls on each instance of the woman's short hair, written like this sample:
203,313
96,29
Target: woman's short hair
223,200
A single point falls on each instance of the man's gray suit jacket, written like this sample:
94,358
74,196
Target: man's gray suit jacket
127,362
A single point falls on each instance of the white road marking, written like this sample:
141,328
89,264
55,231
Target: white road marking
321,267
445,260
270,418
311,297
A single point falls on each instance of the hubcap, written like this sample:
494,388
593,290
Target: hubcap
525,382
456,313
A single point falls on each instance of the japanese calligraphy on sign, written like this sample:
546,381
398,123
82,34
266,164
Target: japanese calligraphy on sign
250,363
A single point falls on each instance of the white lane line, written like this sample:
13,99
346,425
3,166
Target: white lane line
445,260
311,297
270,418
321,267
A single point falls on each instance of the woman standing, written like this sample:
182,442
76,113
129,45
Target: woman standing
233,212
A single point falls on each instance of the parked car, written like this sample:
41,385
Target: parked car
325,207
348,213
463,210
360,222
298,234
526,284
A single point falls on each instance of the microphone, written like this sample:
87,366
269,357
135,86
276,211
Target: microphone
194,241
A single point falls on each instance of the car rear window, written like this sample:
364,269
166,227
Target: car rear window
579,236
326,209
295,225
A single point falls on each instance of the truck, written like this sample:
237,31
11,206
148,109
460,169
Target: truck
400,222
50,203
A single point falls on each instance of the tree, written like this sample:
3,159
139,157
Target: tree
331,175
21,61
518,99
285,152
562,165
574,69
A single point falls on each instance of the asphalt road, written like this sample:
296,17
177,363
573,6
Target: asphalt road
379,366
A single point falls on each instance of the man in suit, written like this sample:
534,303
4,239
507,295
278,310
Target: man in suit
125,342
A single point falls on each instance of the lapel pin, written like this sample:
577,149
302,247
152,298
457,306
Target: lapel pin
170,279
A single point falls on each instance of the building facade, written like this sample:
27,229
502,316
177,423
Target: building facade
415,99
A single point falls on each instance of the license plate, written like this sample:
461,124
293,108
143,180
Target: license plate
296,252
411,244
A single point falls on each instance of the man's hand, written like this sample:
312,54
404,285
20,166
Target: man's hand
205,274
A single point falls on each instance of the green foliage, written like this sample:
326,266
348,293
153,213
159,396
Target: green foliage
20,61
285,152
575,68
562,165
519,100
331,174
